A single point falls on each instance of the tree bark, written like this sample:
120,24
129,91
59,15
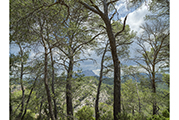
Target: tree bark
154,91
41,103
53,89
69,90
25,110
99,85
46,71
47,86
117,80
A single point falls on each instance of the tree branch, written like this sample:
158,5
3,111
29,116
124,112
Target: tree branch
124,24
88,41
125,43
90,8
111,2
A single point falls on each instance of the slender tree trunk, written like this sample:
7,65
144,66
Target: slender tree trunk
25,110
53,89
22,86
69,90
47,86
154,91
99,86
10,105
137,89
117,80
133,112
47,113
41,103
21,82
46,72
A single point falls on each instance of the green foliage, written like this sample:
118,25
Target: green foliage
29,115
166,79
126,116
157,117
165,113
65,37
85,113
164,116
105,111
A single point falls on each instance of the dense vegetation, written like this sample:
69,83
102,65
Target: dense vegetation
51,39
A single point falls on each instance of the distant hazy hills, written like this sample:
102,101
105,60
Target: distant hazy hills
110,80
87,73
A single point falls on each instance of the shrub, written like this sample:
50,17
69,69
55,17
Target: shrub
105,111
85,113
157,117
165,113
29,115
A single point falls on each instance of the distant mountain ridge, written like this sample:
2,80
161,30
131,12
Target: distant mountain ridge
87,73
109,81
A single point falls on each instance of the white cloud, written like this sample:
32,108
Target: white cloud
97,71
136,18
32,55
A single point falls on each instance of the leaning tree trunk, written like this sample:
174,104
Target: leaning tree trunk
27,102
99,85
69,90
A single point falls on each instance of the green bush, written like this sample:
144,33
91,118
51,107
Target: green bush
107,116
124,116
85,113
157,117
165,113
105,111
29,115
137,116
